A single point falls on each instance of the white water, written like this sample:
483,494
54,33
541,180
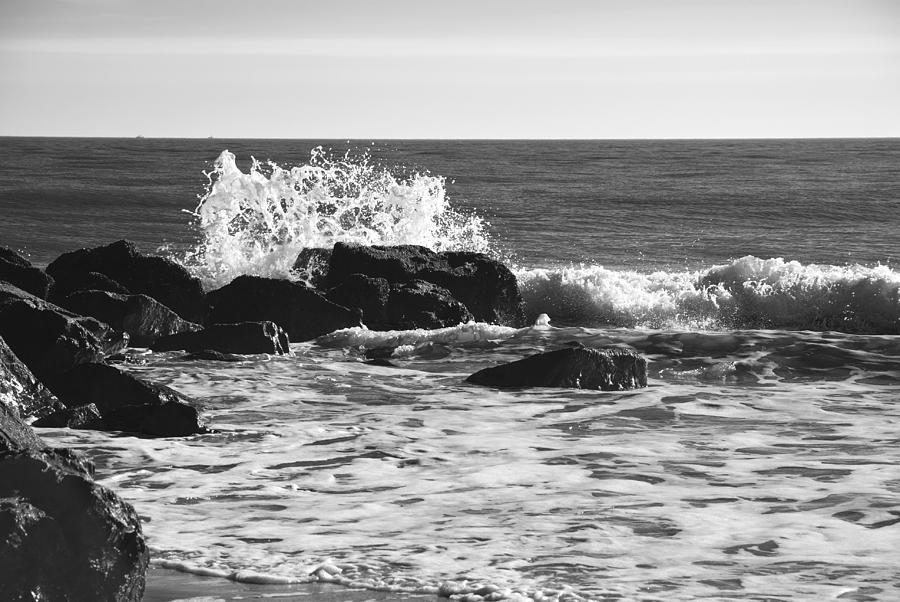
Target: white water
257,222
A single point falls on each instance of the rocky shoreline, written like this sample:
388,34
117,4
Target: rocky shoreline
63,329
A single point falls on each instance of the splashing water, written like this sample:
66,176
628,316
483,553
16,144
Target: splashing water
257,222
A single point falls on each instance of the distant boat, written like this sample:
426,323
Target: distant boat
139,136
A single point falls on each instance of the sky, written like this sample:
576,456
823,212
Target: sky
452,69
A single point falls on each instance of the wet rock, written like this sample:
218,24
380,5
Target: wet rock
20,392
212,356
144,318
608,369
368,295
127,403
300,310
421,304
80,417
15,434
18,271
243,337
486,287
62,536
157,277
66,284
312,265
49,339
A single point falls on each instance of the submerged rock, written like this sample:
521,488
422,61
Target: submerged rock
244,337
212,356
485,286
157,277
20,392
607,369
300,310
144,318
49,339
18,271
62,536
80,417
127,403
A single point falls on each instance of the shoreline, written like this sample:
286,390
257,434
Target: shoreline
168,585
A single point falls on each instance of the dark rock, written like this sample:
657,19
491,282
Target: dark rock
608,369
20,391
62,536
80,417
485,286
17,270
300,310
421,304
50,340
311,266
213,356
381,362
15,435
144,318
244,337
66,284
158,277
369,295
127,403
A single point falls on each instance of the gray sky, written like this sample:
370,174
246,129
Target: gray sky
450,69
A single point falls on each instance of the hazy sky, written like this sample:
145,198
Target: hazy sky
450,69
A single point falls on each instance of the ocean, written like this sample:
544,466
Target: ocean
760,278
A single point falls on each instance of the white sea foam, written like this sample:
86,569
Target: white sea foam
257,222
461,334
747,293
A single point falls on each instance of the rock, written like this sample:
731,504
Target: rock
211,355
299,309
127,403
66,284
157,277
608,369
17,270
80,417
244,337
421,304
369,295
15,435
50,340
485,286
144,318
20,392
62,536
311,265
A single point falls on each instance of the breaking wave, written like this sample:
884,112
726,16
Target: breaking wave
747,293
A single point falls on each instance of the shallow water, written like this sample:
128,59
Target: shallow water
754,466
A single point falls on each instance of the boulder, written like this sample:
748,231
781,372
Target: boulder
20,392
422,304
66,284
157,277
127,403
243,337
608,369
15,435
311,265
17,270
368,295
485,286
144,318
49,339
62,536
300,310
79,417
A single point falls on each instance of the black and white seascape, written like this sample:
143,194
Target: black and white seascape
745,448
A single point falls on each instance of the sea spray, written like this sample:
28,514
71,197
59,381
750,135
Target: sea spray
257,222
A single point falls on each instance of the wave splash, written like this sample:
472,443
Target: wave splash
748,293
257,222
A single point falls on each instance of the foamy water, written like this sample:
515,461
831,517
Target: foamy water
757,464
